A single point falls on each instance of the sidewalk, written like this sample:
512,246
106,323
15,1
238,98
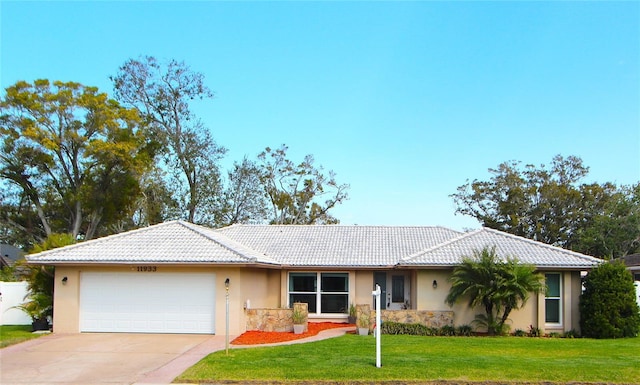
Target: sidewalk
166,373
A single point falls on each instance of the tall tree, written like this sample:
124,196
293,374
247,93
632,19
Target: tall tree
613,229
70,154
549,204
162,93
497,286
243,199
295,191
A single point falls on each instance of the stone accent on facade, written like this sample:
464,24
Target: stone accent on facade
273,320
304,308
279,320
364,311
433,319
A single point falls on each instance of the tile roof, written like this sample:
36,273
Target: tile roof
307,246
337,245
506,245
168,242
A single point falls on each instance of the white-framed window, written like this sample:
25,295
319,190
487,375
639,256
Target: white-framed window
553,299
325,293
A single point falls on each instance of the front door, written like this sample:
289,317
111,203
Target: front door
394,287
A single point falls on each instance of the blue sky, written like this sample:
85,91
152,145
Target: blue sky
405,101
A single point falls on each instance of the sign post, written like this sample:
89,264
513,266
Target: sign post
376,330
226,337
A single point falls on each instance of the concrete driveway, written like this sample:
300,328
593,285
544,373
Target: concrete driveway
100,358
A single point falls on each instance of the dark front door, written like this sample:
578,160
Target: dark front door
397,289
380,278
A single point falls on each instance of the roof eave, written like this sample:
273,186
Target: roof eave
166,263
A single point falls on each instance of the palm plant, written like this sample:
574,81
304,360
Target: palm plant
498,286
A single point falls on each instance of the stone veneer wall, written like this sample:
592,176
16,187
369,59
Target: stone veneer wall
279,320
273,320
433,319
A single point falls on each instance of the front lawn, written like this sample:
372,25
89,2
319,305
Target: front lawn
351,358
13,334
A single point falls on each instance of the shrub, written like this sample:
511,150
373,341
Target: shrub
534,332
608,308
416,329
571,334
464,330
519,333
447,330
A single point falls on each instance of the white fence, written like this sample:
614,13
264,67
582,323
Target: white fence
637,283
12,294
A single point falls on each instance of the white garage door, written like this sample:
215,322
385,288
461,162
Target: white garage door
147,302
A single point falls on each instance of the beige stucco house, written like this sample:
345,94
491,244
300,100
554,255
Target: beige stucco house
170,278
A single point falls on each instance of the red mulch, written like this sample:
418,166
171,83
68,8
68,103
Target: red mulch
257,337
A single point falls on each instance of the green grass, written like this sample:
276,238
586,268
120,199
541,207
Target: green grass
351,358
14,334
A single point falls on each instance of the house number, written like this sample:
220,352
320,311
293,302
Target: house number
147,269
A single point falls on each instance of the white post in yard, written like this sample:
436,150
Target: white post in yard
226,339
377,293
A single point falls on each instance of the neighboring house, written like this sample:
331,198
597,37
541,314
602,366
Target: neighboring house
632,261
9,254
170,278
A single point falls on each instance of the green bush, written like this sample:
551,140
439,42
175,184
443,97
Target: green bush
417,329
519,333
406,329
571,334
464,330
534,331
447,330
608,308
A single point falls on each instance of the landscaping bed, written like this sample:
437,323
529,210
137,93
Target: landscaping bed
259,338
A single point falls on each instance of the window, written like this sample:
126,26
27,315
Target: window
553,300
302,288
332,296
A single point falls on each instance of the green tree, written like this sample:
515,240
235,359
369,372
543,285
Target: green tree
608,307
243,198
497,286
70,155
156,202
550,205
296,191
162,92
613,229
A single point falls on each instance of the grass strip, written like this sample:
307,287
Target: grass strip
14,334
351,359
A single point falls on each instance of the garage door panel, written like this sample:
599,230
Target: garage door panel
147,302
